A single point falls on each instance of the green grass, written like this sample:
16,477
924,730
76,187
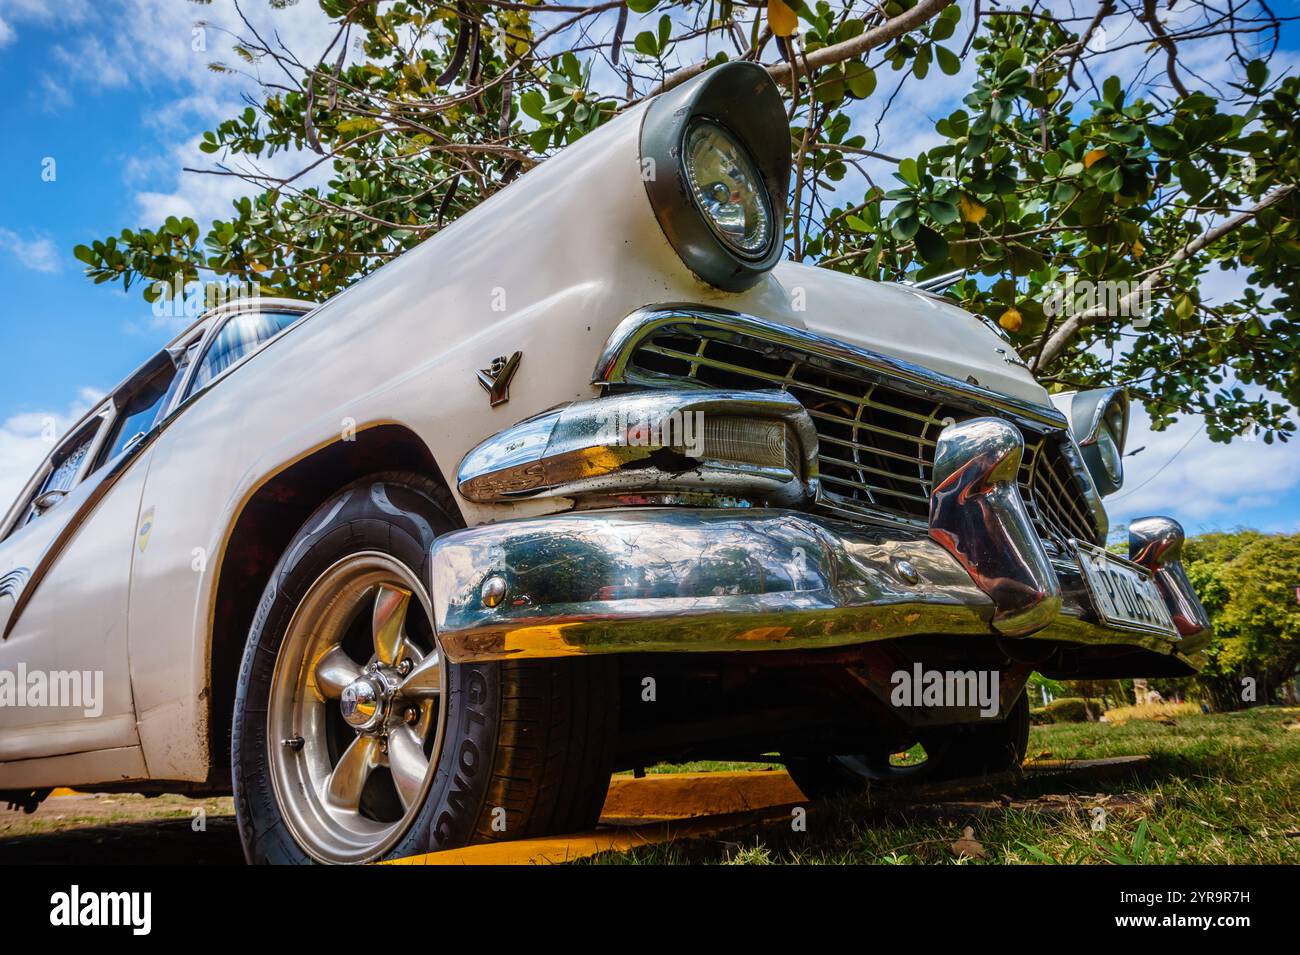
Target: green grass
703,766
1223,788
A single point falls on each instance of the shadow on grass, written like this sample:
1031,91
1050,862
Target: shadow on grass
147,842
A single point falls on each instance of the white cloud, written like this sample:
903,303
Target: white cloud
39,254
206,196
55,97
42,11
26,438
90,62
153,42
6,32
1201,483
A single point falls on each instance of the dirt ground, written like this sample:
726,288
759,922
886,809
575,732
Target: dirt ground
116,829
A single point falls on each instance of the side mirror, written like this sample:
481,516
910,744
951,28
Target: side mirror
1099,422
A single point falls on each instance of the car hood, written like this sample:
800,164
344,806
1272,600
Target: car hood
896,321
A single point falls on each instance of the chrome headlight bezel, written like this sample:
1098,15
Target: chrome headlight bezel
742,101
1099,423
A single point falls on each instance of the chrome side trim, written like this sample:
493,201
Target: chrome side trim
978,516
614,357
1157,544
937,283
639,443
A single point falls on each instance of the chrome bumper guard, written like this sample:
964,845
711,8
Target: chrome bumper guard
658,579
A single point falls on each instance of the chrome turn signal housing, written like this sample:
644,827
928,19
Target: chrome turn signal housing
756,447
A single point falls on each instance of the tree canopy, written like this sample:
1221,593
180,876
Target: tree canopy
1092,176
1249,583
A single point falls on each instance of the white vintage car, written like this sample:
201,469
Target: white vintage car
590,479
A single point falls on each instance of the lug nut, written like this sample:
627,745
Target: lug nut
405,667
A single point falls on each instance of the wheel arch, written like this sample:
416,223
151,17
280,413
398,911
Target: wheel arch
258,536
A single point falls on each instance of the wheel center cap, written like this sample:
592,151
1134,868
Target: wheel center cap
362,703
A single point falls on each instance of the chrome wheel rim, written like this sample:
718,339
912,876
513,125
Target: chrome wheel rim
356,713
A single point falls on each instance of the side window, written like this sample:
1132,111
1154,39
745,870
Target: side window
240,335
183,361
137,415
65,466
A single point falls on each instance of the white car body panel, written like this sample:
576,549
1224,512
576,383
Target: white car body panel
77,620
548,267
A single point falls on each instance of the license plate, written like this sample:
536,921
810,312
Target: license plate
1124,594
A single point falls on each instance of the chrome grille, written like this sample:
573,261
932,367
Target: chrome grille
876,434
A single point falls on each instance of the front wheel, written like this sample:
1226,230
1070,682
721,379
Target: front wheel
355,739
958,752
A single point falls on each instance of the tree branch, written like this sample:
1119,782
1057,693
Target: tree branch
1062,337
836,53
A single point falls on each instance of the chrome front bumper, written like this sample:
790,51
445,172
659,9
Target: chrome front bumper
665,579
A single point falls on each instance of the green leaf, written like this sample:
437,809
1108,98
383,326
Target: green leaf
860,79
557,105
904,229
1164,138
1112,90
540,139
944,213
642,6
948,61
932,246
646,44
532,102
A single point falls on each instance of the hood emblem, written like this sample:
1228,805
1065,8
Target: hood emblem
495,379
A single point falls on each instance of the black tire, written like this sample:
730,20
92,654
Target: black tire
961,752
531,737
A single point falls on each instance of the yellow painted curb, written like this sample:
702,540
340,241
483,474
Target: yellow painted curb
665,796
558,849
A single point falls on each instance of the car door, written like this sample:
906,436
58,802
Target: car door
67,556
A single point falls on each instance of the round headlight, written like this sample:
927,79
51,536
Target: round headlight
728,189
1109,453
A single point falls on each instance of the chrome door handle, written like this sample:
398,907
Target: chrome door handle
47,499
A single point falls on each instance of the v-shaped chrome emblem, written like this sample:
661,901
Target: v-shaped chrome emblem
495,379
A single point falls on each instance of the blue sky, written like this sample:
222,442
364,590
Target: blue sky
116,95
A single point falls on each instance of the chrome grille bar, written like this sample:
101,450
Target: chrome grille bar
877,431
